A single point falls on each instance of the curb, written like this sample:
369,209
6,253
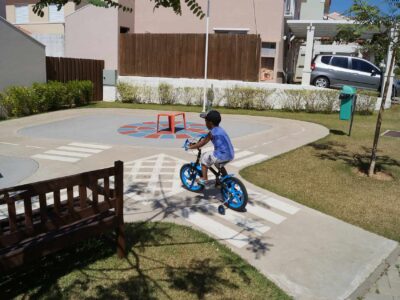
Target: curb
364,287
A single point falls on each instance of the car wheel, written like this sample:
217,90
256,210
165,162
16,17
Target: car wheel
322,82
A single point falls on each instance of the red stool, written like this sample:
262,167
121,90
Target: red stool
171,120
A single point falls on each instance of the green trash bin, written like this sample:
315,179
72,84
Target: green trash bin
346,104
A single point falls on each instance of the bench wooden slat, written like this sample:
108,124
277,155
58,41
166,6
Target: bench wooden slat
43,208
12,213
70,199
28,213
83,196
48,186
52,224
57,202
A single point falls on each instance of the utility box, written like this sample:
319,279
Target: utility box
110,77
347,103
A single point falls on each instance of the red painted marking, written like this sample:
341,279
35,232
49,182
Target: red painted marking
145,128
149,123
196,124
182,136
153,136
128,126
197,130
128,132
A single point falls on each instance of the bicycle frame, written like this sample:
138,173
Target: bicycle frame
221,173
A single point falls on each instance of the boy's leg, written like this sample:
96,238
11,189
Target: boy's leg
204,170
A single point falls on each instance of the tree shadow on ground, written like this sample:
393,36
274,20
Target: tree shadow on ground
199,277
335,151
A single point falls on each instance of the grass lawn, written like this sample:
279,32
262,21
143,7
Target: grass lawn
323,175
165,261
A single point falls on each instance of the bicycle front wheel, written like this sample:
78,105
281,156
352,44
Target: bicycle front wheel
189,175
234,193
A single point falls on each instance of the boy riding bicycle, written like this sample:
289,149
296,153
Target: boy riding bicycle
223,149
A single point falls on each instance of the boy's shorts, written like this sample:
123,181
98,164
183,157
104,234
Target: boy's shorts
208,159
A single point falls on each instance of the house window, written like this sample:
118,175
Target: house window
232,30
56,15
268,49
123,29
21,14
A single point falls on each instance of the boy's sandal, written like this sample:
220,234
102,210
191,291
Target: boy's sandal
201,181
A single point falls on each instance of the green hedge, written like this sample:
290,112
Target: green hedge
245,97
19,101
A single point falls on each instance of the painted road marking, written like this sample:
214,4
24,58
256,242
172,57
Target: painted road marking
95,146
58,158
243,154
275,203
76,149
265,214
67,153
249,160
11,144
241,220
217,229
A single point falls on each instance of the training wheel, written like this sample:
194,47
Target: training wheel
221,210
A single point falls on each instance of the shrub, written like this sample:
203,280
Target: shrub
79,92
128,93
325,101
52,95
21,101
248,98
365,104
147,94
166,93
295,100
3,109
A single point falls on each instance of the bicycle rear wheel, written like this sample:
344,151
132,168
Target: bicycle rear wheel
234,193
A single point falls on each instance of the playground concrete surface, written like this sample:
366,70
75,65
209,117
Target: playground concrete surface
308,254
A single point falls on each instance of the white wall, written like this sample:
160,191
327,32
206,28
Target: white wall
54,43
22,59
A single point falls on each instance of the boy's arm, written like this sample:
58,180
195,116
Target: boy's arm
202,142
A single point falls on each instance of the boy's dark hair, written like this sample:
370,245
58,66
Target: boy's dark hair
214,117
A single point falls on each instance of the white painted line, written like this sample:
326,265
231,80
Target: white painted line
11,144
265,214
249,160
241,220
67,153
79,149
278,204
217,229
385,132
59,158
243,154
95,146
35,147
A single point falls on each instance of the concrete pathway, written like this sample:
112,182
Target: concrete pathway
308,254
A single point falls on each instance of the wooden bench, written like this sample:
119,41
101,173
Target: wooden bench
47,216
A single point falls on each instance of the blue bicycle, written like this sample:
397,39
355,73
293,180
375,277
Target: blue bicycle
234,193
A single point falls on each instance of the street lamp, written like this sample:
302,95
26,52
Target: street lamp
206,59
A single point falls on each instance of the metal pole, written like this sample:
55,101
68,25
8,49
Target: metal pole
353,109
206,59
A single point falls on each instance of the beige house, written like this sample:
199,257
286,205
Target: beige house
19,12
93,32
263,17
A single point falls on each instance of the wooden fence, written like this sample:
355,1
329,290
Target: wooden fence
231,56
66,69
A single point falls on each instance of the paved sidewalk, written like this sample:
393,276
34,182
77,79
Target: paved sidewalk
308,254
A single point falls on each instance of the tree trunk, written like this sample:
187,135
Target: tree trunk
371,170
